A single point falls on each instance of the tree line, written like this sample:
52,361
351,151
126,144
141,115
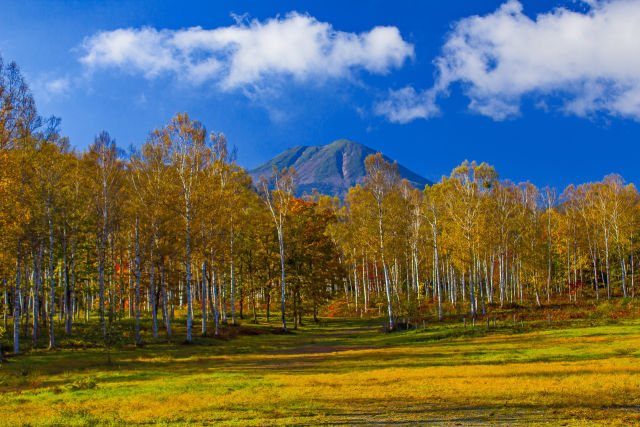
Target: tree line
177,224
475,240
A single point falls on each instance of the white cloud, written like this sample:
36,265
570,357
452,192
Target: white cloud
57,87
248,52
584,62
48,87
405,105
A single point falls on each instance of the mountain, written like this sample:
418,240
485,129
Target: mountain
331,169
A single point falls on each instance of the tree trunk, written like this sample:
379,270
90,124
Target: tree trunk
214,286
188,241
386,274
72,288
16,310
606,256
472,300
623,271
138,340
130,293
437,272
281,243
233,286
253,306
165,301
100,247
152,284
223,294
52,341
65,276
268,303
37,272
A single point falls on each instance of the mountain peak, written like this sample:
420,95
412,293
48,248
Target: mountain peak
331,169
340,143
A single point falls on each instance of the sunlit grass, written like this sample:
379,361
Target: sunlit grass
344,372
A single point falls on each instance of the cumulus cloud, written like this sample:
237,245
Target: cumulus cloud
248,52
583,62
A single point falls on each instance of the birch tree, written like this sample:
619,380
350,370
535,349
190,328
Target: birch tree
381,180
107,182
432,210
278,193
185,140
549,200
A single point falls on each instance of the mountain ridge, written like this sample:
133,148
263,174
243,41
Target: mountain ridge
331,169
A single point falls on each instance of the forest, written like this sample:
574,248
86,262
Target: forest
176,225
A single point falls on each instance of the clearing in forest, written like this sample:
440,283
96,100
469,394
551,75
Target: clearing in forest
344,371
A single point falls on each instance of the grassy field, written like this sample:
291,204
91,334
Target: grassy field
343,371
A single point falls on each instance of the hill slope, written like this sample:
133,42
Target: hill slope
331,169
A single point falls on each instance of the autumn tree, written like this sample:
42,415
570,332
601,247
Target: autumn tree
107,181
185,141
277,193
381,180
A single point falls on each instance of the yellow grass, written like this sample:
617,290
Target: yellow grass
344,373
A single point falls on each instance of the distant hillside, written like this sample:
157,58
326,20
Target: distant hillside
331,169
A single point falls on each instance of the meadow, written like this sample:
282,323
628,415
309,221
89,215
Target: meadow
341,371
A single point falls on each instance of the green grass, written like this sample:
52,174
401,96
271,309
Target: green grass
578,371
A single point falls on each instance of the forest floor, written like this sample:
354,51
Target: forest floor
342,371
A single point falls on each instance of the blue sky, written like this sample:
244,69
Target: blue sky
545,91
